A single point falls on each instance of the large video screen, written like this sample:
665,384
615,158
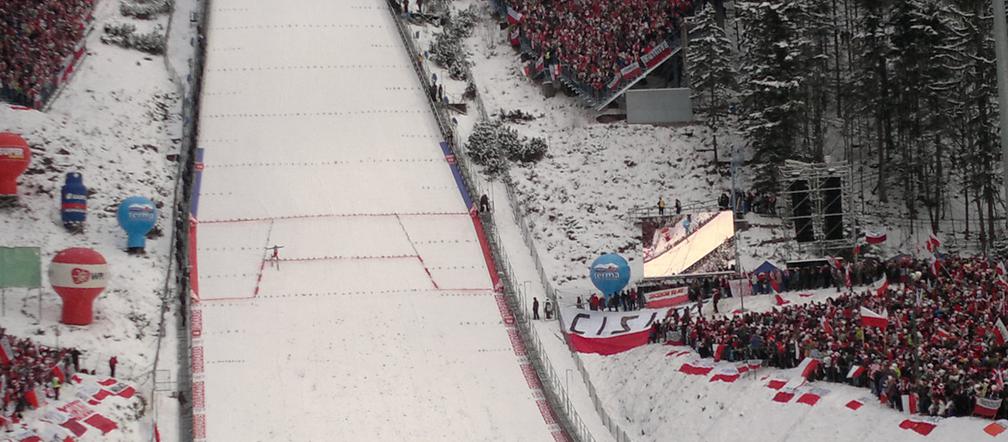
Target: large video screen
688,243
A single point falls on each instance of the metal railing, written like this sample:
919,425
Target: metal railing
637,212
188,87
553,384
526,226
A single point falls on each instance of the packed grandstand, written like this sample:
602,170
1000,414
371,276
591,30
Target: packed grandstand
42,40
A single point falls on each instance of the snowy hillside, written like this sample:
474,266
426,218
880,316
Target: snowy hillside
116,123
580,195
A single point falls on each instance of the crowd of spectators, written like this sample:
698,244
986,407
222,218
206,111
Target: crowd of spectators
597,38
745,202
31,366
36,37
817,276
939,344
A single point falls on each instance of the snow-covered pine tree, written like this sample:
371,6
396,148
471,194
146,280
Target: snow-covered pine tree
870,104
976,114
712,74
920,91
770,92
812,43
483,147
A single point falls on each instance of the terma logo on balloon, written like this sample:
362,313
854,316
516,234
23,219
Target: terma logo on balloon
607,271
141,212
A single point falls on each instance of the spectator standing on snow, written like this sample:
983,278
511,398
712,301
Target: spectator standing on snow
580,305
678,206
548,309
56,387
535,308
112,362
484,203
75,356
661,206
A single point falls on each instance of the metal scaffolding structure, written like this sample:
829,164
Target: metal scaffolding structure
819,179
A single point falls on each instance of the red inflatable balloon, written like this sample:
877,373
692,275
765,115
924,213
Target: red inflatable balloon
14,158
78,275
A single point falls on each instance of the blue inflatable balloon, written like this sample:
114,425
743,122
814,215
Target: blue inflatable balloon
137,216
610,273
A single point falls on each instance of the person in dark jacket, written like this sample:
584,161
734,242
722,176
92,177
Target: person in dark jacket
535,308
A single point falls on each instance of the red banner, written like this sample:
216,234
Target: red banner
668,298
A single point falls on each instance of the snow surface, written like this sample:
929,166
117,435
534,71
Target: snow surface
117,123
380,322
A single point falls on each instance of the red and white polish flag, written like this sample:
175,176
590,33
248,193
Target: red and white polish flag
884,288
986,407
933,243
875,238
698,367
6,353
514,17
719,352
872,319
807,367
855,371
909,402
1000,332
727,373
